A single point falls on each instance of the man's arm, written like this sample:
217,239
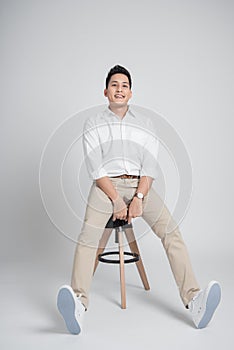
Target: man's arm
145,184
119,206
148,171
106,186
135,207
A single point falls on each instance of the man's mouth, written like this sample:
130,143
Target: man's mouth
119,96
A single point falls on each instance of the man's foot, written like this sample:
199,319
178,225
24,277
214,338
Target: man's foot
204,304
71,309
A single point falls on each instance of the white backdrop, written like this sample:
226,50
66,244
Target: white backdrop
54,60
55,56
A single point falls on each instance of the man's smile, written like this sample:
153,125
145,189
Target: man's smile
119,96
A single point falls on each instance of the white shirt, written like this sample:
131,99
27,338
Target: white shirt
115,146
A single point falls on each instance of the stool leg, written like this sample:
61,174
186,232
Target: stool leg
121,267
134,249
102,244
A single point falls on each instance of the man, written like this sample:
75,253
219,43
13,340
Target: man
121,151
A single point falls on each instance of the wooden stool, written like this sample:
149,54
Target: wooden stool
120,227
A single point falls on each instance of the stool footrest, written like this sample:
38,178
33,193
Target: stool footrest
135,257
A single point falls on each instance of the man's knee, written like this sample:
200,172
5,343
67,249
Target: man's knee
165,228
92,231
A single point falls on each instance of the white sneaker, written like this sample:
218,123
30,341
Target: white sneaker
71,309
204,304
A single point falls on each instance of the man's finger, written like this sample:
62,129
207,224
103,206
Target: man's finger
129,219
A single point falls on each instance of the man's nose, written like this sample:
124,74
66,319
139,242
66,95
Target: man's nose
119,88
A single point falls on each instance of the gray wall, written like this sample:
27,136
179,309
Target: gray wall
54,58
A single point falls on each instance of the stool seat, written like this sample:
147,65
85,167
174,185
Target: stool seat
117,223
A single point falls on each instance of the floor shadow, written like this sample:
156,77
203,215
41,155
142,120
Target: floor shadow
150,300
165,307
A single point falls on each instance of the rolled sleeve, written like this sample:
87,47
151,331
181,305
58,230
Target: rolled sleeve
92,151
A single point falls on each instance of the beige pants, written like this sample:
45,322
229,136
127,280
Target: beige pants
157,216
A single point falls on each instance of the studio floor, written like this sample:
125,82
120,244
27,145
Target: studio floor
154,319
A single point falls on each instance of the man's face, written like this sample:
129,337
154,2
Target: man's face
118,91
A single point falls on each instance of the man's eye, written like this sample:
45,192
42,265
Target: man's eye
125,86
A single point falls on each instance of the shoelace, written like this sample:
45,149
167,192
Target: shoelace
78,310
191,304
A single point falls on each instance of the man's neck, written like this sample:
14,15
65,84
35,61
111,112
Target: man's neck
119,110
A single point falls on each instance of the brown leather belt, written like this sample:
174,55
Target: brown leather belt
125,176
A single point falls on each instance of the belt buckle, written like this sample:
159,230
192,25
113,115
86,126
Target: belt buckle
126,176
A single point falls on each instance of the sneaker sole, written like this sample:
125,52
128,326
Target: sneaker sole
66,306
212,302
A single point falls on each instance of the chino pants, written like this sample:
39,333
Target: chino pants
155,213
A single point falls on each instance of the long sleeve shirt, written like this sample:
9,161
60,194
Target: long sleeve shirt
115,146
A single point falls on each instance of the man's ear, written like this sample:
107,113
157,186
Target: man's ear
105,92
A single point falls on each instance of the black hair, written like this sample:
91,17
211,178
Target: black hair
118,70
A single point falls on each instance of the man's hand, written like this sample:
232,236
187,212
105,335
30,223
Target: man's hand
119,209
135,209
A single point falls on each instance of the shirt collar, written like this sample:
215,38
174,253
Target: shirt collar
129,112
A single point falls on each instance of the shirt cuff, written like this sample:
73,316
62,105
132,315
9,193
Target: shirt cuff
152,172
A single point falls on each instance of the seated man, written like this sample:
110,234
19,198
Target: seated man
118,145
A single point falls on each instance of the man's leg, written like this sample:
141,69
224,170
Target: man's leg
156,214
98,212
